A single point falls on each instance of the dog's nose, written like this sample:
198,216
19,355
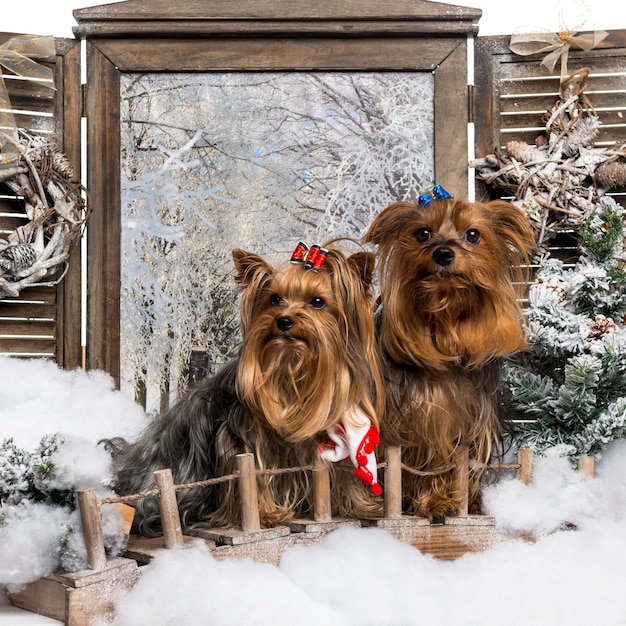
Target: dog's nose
284,324
443,256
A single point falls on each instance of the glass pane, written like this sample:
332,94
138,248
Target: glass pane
216,161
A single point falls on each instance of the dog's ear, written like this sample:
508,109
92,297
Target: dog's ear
390,222
513,227
362,263
250,267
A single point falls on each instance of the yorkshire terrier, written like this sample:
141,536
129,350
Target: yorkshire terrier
306,382
449,275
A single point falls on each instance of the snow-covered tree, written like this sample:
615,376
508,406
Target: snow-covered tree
215,161
569,388
571,383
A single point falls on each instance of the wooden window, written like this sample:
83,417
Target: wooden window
131,40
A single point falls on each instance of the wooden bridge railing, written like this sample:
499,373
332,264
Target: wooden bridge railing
247,474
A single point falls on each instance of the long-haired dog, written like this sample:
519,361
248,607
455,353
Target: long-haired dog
307,365
449,310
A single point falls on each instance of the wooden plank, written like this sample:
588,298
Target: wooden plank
28,346
237,536
239,28
315,526
263,10
44,596
17,326
104,233
484,106
9,224
32,308
270,551
77,599
410,53
451,109
24,91
447,541
83,578
351,18
68,132
143,549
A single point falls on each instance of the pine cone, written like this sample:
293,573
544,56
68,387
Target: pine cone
555,285
61,165
18,257
601,326
523,152
611,174
581,136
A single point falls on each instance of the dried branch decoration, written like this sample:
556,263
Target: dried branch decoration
559,181
36,253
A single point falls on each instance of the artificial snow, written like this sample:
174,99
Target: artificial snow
38,398
555,575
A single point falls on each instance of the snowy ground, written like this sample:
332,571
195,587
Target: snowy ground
354,576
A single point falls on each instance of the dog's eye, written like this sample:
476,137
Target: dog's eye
275,299
472,235
423,234
317,303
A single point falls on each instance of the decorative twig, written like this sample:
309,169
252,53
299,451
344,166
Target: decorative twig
33,253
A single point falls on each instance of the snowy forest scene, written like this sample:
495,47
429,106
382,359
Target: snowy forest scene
258,161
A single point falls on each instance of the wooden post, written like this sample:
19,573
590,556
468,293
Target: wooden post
92,528
461,479
322,511
525,461
168,507
393,482
248,494
586,464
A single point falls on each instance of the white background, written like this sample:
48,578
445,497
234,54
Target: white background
500,17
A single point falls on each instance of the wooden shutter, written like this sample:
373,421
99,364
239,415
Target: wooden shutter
45,322
512,94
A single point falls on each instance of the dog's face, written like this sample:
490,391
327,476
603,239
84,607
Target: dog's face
308,337
290,311
447,276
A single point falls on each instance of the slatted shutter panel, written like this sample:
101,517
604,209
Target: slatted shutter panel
45,322
513,92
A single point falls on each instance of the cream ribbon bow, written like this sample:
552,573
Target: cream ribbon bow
16,55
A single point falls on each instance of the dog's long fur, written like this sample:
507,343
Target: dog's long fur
308,355
450,311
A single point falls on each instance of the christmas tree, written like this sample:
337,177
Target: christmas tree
569,387
572,381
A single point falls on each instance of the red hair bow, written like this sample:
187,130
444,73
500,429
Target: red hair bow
313,257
